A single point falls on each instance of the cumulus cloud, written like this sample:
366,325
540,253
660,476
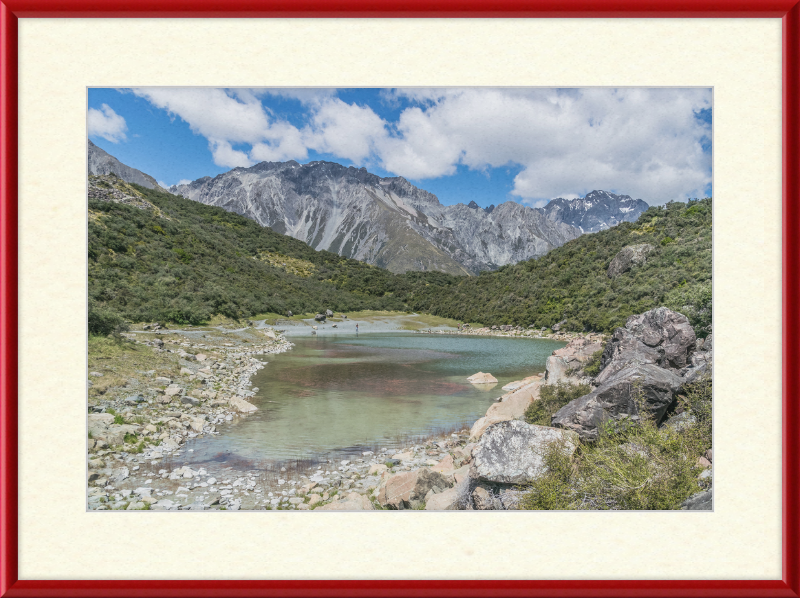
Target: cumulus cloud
106,123
345,130
227,118
642,142
647,143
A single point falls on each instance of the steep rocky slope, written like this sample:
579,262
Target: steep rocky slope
384,221
101,162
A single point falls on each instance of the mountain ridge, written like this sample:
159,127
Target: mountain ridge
386,221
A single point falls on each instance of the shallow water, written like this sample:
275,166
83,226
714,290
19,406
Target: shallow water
337,395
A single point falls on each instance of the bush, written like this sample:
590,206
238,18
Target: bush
693,301
103,322
553,397
592,367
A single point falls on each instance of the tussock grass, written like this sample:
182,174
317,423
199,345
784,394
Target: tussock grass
635,466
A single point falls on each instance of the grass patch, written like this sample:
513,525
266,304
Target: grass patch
553,397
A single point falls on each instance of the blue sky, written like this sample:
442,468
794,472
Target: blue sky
489,145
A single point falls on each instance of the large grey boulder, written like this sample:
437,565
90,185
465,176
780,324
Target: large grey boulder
510,452
627,258
629,392
659,336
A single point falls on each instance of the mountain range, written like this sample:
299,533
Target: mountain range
387,221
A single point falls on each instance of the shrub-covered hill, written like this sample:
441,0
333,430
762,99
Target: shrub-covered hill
570,283
157,256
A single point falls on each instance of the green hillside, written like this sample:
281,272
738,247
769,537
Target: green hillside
183,261
570,283
157,256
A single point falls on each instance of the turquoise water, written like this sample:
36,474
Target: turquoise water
339,395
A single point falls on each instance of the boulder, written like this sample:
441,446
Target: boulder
659,336
445,466
320,317
639,387
627,258
482,378
98,424
444,501
511,406
408,489
190,400
172,390
241,405
517,384
353,502
511,452
328,313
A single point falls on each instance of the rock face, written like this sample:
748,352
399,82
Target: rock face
597,211
644,365
627,258
391,223
511,452
101,162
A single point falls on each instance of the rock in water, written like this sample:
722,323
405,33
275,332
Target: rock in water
482,378
627,258
510,452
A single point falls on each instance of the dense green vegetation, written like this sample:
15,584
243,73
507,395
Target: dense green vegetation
570,283
639,466
191,261
185,262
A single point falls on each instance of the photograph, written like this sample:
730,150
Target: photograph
399,298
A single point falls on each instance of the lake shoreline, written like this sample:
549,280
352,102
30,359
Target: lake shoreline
162,479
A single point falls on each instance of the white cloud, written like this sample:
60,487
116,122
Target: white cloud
228,118
183,182
106,123
345,130
642,142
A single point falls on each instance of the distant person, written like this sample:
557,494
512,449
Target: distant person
356,328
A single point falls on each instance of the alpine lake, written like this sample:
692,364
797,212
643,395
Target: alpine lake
339,393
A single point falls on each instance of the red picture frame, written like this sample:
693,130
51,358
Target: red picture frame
11,10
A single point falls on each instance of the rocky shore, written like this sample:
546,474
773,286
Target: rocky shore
483,468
